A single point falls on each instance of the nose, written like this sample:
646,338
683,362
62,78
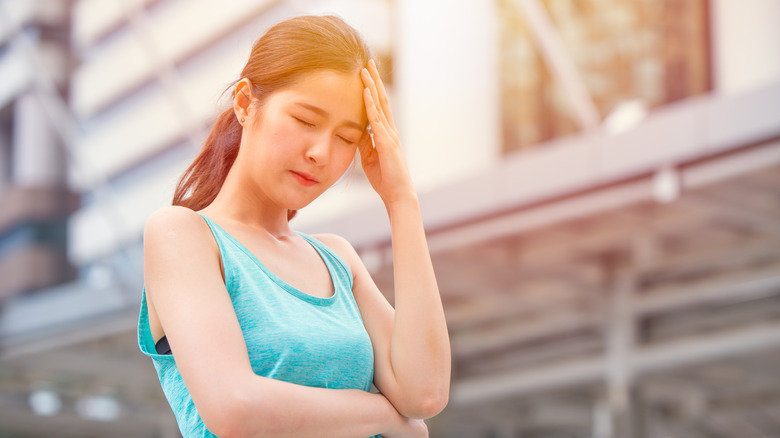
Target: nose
319,150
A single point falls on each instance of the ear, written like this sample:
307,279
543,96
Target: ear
242,100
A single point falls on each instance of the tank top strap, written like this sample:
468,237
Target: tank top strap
336,264
217,232
227,253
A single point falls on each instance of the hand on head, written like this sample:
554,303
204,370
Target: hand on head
380,147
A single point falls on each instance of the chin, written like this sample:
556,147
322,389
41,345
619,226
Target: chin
298,201
299,205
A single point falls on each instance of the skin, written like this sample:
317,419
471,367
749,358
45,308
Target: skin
293,147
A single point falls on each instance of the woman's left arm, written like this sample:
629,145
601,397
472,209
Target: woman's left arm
411,342
420,356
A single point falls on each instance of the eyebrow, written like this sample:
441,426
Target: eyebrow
323,113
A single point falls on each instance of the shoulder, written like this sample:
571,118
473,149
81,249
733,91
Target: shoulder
176,226
173,218
171,215
178,245
341,247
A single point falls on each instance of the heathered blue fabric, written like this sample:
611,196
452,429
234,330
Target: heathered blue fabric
290,335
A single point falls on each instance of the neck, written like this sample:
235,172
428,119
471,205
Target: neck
237,202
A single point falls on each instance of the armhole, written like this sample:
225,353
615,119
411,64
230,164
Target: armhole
145,341
224,266
335,260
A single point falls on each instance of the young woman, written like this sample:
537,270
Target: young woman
256,330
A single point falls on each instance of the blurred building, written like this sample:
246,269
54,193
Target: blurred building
599,181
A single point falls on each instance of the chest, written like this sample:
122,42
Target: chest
296,263
301,339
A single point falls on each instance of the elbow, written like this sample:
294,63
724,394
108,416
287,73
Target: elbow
228,425
228,418
429,409
425,406
240,415
227,430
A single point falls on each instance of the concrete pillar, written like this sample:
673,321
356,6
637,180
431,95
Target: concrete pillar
5,154
602,420
447,87
621,336
38,158
35,196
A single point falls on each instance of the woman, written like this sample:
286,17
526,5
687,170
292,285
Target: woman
257,330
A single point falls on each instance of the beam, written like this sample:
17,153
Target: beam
731,256
729,212
62,316
476,341
742,286
477,390
591,371
570,347
560,63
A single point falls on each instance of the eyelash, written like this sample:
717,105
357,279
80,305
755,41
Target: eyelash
311,125
304,122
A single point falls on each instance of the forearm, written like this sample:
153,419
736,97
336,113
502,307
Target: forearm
414,370
420,347
270,408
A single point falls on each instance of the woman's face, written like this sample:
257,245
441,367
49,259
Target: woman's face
304,137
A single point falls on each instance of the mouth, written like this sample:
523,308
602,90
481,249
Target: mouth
305,178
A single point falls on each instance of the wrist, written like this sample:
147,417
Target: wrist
395,422
404,203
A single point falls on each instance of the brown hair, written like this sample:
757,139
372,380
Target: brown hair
287,51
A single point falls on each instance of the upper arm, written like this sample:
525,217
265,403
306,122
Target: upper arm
183,279
377,314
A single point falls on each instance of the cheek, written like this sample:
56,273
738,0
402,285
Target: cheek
346,155
282,141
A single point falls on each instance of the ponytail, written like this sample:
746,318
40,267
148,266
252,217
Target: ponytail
200,183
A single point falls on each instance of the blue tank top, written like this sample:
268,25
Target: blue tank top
290,335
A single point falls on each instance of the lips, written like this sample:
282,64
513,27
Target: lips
305,178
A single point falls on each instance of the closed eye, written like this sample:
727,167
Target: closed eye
346,140
304,122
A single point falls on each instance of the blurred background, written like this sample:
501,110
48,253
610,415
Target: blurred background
600,181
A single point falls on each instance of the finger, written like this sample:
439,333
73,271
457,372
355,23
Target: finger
378,125
371,111
371,85
381,91
383,103
381,117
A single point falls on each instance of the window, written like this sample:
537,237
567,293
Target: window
656,51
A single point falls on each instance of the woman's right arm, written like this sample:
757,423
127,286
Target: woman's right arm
184,282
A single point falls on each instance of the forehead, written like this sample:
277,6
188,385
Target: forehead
339,94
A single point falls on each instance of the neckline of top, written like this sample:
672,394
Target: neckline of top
313,299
